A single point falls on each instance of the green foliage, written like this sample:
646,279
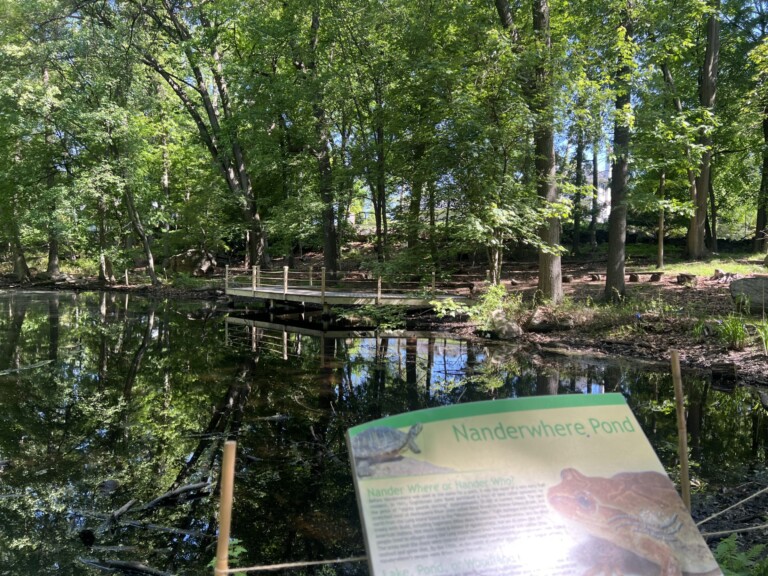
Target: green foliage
384,317
449,308
235,553
737,562
761,333
733,332
496,298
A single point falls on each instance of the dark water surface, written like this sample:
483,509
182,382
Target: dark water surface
108,399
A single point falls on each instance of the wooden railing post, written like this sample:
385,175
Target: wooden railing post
488,276
433,284
226,278
310,274
253,278
126,277
225,506
285,280
322,286
258,276
378,292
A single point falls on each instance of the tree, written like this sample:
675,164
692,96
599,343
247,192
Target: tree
707,94
617,221
540,103
195,69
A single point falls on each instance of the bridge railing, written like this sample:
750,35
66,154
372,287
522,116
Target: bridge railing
318,279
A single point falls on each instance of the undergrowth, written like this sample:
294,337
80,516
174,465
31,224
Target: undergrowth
734,561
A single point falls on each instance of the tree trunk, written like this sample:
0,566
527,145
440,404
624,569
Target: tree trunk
761,230
617,221
577,196
432,225
138,227
708,91
53,233
20,268
712,212
660,239
417,190
539,99
194,91
595,196
322,152
550,274
106,275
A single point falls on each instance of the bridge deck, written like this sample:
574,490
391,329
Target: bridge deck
333,297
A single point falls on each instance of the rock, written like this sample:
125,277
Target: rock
504,328
634,277
195,262
687,279
594,277
542,321
656,277
567,278
750,294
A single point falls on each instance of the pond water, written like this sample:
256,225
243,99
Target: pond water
110,400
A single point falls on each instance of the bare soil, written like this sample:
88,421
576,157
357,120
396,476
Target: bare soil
671,324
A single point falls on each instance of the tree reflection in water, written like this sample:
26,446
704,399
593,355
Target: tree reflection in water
107,390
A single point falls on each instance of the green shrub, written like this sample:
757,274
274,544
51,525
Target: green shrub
761,332
736,562
733,333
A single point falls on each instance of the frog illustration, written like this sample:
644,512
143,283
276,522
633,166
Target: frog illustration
637,512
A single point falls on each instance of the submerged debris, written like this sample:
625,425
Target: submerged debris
125,567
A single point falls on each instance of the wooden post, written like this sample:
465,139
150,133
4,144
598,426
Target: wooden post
285,344
126,277
285,280
322,287
488,276
682,432
258,276
378,292
433,284
253,278
226,278
225,506
310,274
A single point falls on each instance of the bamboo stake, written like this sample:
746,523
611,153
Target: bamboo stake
682,432
225,507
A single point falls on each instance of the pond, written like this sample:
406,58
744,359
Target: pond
115,409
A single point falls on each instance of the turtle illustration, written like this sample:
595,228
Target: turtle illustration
380,444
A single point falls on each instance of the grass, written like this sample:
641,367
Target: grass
732,332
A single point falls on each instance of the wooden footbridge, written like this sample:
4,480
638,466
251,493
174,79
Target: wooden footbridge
312,287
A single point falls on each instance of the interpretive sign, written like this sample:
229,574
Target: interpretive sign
557,485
